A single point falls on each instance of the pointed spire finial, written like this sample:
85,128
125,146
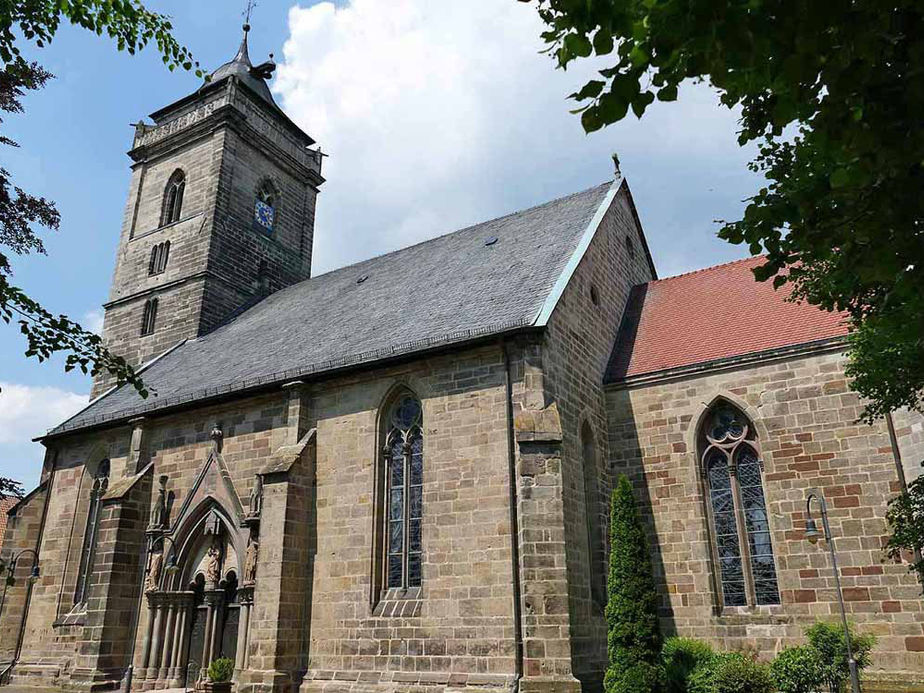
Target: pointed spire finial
249,9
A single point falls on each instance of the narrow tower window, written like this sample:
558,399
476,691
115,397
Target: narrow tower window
173,198
403,493
740,524
90,534
158,261
149,318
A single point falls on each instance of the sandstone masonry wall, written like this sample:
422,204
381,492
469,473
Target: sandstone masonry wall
805,417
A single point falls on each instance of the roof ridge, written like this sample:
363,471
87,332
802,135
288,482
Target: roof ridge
701,270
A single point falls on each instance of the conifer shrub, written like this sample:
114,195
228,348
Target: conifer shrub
633,629
220,670
681,657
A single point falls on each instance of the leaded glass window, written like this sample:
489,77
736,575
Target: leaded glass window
742,545
88,550
403,494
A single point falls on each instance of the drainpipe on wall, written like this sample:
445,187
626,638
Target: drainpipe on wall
514,523
899,467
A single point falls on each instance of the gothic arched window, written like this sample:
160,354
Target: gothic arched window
592,511
173,198
740,525
88,550
264,210
149,317
159,255
403,493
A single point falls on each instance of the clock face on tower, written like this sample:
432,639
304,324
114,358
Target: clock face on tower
264,215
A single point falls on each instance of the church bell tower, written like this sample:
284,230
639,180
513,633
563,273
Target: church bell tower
220,212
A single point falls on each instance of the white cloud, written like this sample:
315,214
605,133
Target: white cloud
93,320
32,410
27,412
439,113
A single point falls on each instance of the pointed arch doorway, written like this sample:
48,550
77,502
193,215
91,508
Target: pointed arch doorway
198,608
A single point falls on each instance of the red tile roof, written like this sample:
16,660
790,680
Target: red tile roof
5,505
715,313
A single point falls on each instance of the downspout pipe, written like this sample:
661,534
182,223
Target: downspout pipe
514,522
899,467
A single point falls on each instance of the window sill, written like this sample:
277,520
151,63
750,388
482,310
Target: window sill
165,226
398,602
767,613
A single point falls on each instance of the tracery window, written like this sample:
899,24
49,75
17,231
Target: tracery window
740,525
149,317
264,210
173,198
159,255
403,493
88,550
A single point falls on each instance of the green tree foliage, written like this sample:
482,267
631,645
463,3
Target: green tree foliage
830,645
132,27
9,487
833,96
906,520
797,670
633,629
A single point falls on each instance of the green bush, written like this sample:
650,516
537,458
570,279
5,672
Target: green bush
681,657
828,642
797,670
221,670
633,629
737,673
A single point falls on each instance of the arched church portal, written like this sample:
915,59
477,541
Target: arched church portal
198,597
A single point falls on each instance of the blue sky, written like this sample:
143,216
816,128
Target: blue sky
436,114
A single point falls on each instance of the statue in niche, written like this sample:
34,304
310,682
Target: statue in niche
159,515
250,561
152,581
256,496
213,566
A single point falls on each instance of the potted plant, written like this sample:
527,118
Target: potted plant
219,676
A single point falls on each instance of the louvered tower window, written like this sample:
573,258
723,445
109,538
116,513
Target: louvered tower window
149,317
173,198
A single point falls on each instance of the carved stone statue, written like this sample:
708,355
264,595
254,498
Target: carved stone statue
256,495
159,514
250,562
213,566
152,581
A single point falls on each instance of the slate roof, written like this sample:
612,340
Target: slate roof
715,313
447,290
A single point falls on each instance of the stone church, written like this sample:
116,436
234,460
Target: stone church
395,476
